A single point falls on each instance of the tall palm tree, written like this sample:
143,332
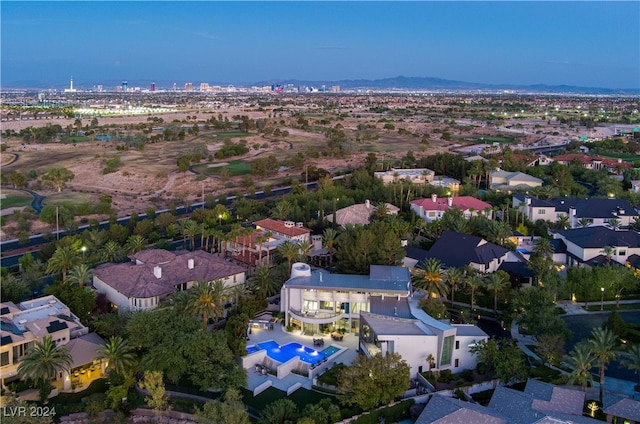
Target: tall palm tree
180,300
80,275
497,282
453,276
608,251
305,248
119,354
206,301
44,360
189,229
329,238
580,360
238,291
63,258
563,222
135,244
632,360
603,347
263,281
289,251
474,282
267,236
428,277
584,222
615,224
543,247
111,252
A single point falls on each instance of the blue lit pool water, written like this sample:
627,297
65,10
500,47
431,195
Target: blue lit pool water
284,353
330,351
524,251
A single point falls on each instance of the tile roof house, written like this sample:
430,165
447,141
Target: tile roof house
624,409
155,273
290,230
585,246
433,208
458,250
593,162
22,325
360,214
504,180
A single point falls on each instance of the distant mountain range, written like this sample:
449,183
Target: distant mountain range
396,83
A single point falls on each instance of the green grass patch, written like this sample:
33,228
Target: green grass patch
15,199
235,167
627,157
67,198
489,140
300,397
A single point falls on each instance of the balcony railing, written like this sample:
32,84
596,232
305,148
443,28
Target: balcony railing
317,316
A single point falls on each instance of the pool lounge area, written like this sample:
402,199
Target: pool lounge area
284,353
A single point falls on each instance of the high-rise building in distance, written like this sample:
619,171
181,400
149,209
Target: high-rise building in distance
153,86
124,86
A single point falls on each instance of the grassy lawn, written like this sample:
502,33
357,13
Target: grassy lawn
231,134
78,139
300,397
68,198
495,139
235,167
15,199
627,157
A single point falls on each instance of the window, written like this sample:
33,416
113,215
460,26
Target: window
4,358
445,358
622,252
457,345
541,211
457,363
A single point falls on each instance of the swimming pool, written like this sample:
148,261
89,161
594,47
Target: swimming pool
285,353
330,351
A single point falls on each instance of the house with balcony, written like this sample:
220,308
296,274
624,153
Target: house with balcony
588,246
433,208
381,309
258,247
415,176
154,274
22,325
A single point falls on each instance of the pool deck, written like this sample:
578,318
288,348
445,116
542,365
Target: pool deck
280,335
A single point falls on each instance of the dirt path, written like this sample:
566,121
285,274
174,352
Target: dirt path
170,181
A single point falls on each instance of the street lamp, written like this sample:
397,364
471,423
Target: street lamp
220,219
84,249
602,299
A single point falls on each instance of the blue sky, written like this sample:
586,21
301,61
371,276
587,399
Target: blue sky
592,44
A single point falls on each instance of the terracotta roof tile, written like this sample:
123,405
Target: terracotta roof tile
280,227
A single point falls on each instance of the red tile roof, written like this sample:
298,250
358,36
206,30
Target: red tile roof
464,203
586,160
280,227
139,280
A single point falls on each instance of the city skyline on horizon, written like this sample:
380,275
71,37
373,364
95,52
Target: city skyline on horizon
585,44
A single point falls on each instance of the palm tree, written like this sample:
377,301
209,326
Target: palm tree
497,281
189,228
43,361
63,258
474,282
305,248
428,277
543,247
263,282
119,354
267,236
563,222
180,300
584,222
289,251
608,252
603,344
329,238
206,301
80,275
135,244
453,276
632,360
615,224
238,291
580,360
111,252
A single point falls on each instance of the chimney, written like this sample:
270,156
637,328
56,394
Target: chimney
157,271
450,201
367,204
191,264
321,277
434,197
528,200
572,217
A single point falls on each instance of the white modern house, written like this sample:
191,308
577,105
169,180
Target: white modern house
415,176
586,246
381,310
154,274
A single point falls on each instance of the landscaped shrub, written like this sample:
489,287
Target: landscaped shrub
330,377
391,414
467,375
